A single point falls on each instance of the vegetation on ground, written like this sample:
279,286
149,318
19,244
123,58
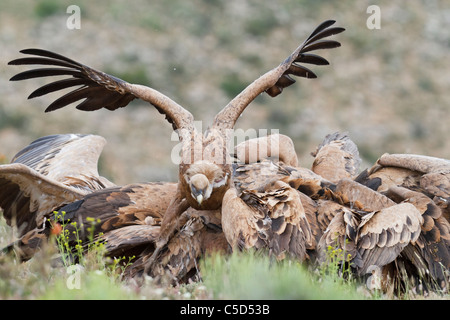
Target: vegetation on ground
60,271
387,87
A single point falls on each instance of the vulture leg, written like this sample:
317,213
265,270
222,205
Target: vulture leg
169,224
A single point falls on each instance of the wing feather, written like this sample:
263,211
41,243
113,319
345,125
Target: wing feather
98,88
26,196
274,81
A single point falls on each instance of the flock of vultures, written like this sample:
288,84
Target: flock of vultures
392,218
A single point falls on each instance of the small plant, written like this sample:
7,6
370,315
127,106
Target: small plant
337,264
88,251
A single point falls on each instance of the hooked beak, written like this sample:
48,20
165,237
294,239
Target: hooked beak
197,194
200,199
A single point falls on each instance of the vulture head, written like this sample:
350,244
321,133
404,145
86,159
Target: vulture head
207,183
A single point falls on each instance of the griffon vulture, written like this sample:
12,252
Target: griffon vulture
45,176
400,231
205,168
429,175
270,216
128,220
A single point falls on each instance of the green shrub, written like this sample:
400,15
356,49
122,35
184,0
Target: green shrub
46,8
252,275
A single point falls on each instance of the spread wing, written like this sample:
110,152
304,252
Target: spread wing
383,234
274,81
130,240
71,159
27,196
431,252
97,89
109,210
120,206
50,172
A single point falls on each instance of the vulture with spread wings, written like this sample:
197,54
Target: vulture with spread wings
45,176
48,184
205,167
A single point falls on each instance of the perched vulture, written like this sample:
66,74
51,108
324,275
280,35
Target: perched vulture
258,186
49,184
428,175
376,227
205,167
371,238
45,176
424,182
401,231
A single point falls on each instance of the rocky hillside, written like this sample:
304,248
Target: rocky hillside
388,87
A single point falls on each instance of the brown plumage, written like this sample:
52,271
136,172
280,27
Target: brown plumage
428,175
436,171
130,223
45,175
423,252
277,147
358,196
371,238
272,219
199,235
251,179
339,227
337,157
430,255
205,168
127,218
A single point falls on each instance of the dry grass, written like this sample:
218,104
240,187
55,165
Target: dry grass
388,88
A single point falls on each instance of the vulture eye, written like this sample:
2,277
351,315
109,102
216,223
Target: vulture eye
218,180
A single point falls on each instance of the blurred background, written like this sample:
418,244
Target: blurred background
389,88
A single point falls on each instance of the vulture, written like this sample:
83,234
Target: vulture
429,175
266,213
47,184
336,158
273,203
128,221
205,166
270,206
45,176
423,182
